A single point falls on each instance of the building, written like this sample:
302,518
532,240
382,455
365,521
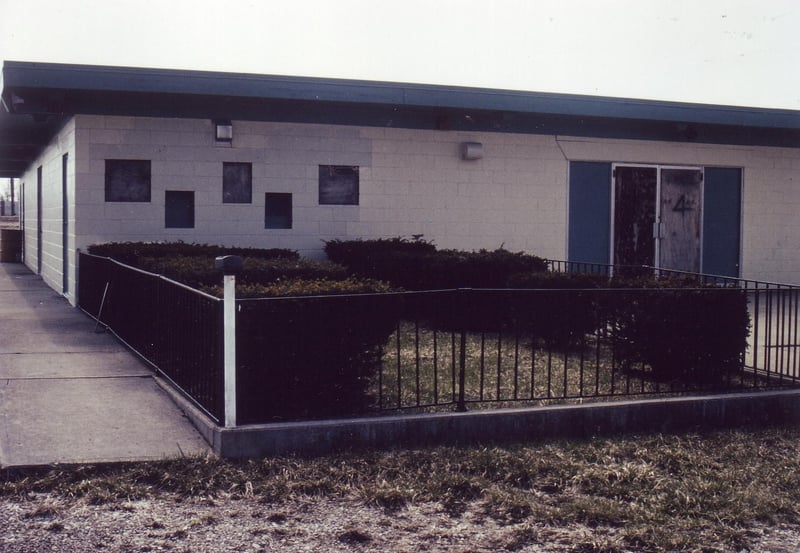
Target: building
115,154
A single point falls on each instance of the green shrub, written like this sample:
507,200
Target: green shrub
552,307
548,280
198,271
418,265
304,287
311,357
359,251
131,252
692,335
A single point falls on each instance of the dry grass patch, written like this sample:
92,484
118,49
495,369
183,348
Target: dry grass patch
647,493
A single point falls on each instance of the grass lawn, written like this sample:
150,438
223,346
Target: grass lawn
689,492
420,368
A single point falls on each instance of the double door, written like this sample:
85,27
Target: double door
657,216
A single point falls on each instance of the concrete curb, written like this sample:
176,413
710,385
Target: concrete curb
497,425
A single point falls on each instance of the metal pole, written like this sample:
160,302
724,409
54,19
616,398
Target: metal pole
229,318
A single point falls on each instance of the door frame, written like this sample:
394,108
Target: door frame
39,223
658,167
64,224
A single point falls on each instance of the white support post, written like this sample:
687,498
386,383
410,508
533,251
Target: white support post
229,308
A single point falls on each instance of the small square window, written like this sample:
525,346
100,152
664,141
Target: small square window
277,210
178,209
338,185
127,180
237,183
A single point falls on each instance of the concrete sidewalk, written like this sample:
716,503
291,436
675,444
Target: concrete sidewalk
71,395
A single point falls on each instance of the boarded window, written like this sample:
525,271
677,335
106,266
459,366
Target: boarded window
178,209
338,185
127,180
277,210
237,183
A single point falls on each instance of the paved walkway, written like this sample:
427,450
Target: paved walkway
69,394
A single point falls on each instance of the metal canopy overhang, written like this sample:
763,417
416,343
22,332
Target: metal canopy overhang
38,98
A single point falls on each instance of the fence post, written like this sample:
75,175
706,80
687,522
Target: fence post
229,265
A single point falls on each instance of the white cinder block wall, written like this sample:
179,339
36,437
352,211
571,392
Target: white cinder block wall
412,182
53,231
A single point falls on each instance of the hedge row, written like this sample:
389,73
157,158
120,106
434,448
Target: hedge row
271,270
417,264
197,271
131,252
305,287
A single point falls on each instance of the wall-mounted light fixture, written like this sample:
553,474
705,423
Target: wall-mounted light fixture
471,150
223,131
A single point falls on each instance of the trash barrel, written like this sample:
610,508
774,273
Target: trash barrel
10,245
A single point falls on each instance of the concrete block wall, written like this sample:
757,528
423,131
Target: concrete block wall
411,182
50,160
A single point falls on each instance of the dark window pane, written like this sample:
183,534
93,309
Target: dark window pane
127,180
338,185
237,183
178,209
277,210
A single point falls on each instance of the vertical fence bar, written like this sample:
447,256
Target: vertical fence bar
453,366
462,373
435,366
416,358
499,364
795,344
533,367
399,368
516,367
482,366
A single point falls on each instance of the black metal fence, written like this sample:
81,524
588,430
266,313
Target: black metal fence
175,328
334,356
774,310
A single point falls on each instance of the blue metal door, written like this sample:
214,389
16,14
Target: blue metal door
722,221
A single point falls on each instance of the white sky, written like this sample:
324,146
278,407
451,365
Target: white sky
738,52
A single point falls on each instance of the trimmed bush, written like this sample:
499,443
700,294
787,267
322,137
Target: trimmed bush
131,252
361,252
199,271
303,287
691,334
418,265
311,357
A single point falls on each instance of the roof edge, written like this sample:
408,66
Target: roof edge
98,78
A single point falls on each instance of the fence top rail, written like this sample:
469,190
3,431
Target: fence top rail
416,293
155,275
405,293
610,269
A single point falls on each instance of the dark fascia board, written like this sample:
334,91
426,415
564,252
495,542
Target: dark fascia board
66,77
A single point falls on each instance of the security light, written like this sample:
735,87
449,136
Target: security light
223,131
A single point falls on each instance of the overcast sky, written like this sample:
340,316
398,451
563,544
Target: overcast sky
708,51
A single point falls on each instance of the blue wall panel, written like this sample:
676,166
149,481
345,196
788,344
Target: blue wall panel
722,221
589,211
